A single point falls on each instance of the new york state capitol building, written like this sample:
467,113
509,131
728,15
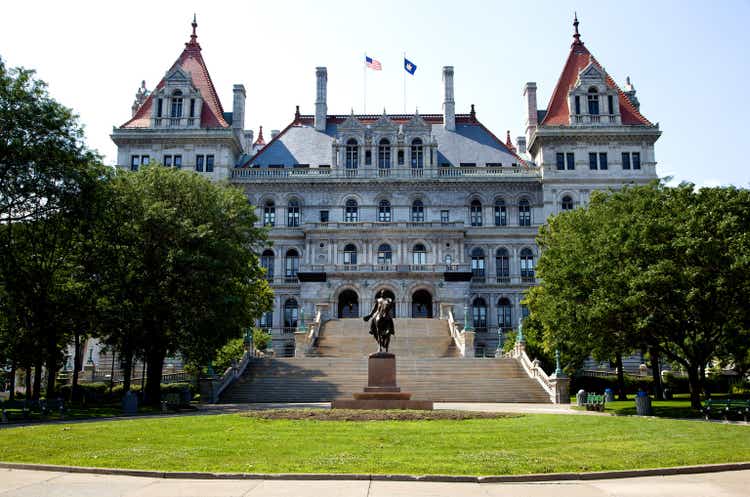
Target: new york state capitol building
435,209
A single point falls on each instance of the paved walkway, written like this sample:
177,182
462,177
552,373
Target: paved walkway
21,483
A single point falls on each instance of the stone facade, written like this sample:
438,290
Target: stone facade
433,208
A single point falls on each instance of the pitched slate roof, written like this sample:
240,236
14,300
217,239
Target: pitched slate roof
192,63
558,112
301,143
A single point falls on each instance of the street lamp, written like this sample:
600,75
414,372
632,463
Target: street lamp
467,319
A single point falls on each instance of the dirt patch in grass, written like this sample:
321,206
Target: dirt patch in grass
372,415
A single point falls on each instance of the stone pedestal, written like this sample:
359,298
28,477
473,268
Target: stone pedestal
382,390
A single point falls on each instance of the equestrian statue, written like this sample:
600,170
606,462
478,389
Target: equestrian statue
381,327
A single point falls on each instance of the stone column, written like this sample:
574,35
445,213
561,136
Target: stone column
561,388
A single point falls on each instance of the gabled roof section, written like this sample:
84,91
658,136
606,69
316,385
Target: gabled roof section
191,63
558,112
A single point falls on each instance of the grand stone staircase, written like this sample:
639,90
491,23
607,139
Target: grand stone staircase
427,361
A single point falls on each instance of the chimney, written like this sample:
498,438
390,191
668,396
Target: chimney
449,105
238,107
521,144
274,132
530,93
321,107
630,93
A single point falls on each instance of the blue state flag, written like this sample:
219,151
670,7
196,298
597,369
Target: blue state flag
409,66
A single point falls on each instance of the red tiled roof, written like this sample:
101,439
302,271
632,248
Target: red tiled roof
558,112
192,63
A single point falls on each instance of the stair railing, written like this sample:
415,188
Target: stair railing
231,374
304,341
463,339
534,370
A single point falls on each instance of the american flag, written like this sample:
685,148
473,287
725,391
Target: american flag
372,63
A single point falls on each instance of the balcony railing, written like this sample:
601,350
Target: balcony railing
314,173
595,119
402,225
384,268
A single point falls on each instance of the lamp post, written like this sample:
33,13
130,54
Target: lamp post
467,319
558,368
301,324
519,335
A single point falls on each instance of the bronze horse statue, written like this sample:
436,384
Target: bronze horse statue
381,327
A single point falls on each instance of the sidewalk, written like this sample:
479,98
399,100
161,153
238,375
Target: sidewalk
22,483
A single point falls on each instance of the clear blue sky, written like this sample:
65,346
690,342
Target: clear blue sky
687,60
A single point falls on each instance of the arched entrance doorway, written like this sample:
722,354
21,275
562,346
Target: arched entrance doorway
348,304
421,304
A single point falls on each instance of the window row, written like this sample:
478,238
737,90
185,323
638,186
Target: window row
502,265
352,154
597,160
504,314
175,106
592,102
417,213
203,163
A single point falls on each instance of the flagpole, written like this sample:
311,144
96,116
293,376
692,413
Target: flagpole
364,93
404,68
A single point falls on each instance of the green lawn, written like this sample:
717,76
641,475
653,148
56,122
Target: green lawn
513,445
678,408
76,411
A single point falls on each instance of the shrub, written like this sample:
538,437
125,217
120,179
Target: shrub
598,384
90,392
233,350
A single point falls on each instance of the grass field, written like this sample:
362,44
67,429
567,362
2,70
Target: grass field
513,445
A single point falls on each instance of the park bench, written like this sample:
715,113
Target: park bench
171,400
726,409
43,407
595,402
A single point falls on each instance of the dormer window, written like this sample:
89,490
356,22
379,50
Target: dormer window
192,107
159,107
610,104
384,154
593,100
352,154
176,110
417,154
578,105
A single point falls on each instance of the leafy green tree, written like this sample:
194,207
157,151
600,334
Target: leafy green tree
186,276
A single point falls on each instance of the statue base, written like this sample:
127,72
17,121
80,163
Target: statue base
382,391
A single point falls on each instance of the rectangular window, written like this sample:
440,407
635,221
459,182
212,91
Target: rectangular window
199,163
134,161
168,160
560,159
159,107
636,160
323,216
578,104
209,163
493,164
610,104
444,216
144,160
400,156
178,161
625,160
368,157
467,164
592,160
192,107
571,160
603,160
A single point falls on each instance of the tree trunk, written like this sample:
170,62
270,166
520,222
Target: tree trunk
656,374
27,380
620,379
695,387
37,392
155,363
127,369
12,395
51,375
76,365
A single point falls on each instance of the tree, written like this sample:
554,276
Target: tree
651,267
186,277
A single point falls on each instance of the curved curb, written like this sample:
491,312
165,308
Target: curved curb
527,478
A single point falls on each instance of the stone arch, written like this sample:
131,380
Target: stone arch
348,303
422,304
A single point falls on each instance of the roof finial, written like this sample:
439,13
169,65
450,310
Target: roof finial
296,114
195,25
473,113
576,35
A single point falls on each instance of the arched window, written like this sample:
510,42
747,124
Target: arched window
176,110
419,256
477,264
266,262
352,154
501,213
527,266
351,211
504,321
384,154
291,266
384,211
385,255
479,314
524,213
291,313
502,265
269,214
417,212
266,321
475,213
593,98
292,213
417,154
350,254
567,203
